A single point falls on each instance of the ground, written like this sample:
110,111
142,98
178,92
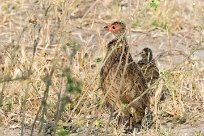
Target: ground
52,52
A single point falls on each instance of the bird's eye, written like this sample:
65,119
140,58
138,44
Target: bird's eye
113,27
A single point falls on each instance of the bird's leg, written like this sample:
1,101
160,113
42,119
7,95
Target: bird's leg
148,119
129,127
130,122
109,120
120,119
111,111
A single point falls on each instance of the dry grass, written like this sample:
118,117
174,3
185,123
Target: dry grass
51,54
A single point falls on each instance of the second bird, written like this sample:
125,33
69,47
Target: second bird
148,66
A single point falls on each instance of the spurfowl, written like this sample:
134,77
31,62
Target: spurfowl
148,66
121,78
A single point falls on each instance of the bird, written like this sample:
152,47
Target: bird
151,73
148,66
121,78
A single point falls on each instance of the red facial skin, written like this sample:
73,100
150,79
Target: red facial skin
112,28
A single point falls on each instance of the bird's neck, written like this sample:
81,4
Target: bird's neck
117,47
118,42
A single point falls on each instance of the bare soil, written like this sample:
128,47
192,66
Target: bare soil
174,32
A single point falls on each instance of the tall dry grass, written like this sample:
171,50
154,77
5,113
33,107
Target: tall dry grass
52,52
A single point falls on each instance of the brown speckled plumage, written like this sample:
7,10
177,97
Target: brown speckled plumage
148,66
121,78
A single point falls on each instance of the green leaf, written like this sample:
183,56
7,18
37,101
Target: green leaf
98,122
154,4
62,132
98,60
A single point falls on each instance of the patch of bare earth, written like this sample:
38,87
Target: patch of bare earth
52,51
14,132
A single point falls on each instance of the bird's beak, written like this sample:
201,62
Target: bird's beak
107,28
140,53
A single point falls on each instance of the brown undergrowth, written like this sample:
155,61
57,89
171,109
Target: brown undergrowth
52,52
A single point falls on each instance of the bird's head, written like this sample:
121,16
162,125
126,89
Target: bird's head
147,54
117,28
